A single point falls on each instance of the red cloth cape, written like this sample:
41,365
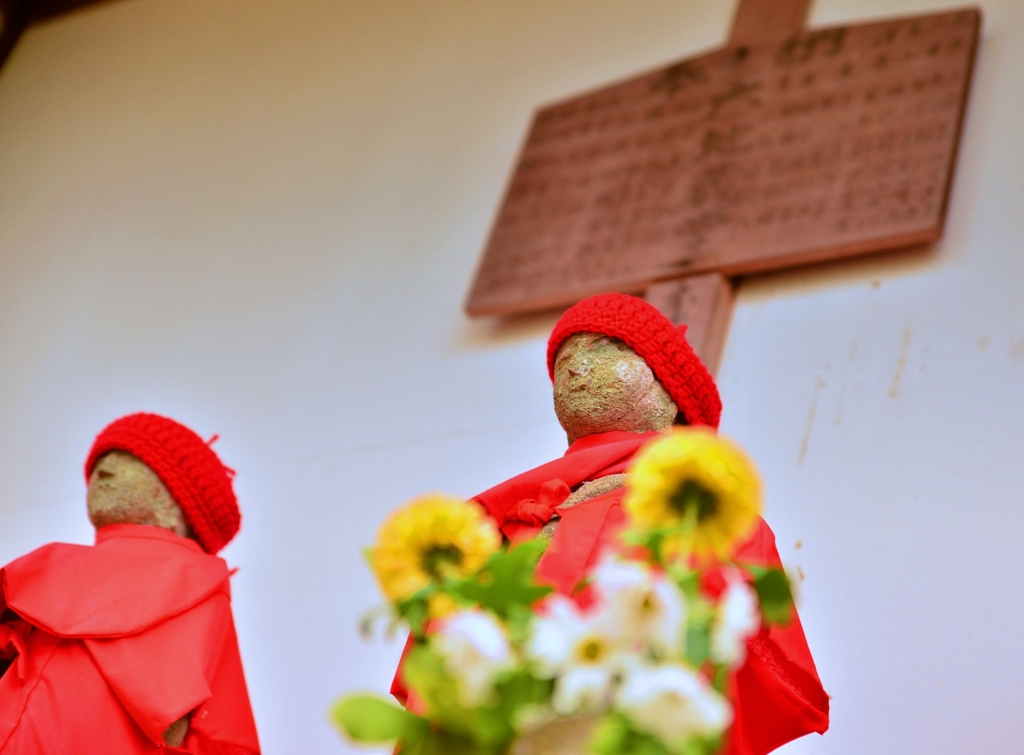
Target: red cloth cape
777,695
117,641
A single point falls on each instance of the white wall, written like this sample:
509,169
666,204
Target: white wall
261,219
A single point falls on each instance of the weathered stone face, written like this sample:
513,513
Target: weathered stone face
123,490
601,385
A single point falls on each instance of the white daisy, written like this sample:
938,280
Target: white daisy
645,609
578,652
673,703
475,649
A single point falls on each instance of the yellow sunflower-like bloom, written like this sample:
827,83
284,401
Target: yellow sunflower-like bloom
430,538
702,491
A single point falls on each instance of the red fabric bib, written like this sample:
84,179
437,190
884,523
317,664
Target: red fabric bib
116,642
587,459
115,588
522,505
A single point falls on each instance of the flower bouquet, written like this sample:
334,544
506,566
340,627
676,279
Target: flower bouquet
637,661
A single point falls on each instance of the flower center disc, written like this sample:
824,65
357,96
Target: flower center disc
693,497
647,605
439,559
591,650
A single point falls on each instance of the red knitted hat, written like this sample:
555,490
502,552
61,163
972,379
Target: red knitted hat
651,335
192,472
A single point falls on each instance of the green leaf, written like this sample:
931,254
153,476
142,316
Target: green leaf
489,726
439,742
699,616
518,622
518,688
698,644
414,610
610,736
774,594
506,582
650,540
687,579
616,735
369,619
425,673
368,718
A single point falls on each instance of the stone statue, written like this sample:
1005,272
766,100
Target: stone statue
622,374
123,490
133,638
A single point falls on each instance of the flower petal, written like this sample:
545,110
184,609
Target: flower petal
582,689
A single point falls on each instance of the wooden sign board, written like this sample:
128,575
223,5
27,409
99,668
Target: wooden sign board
833,142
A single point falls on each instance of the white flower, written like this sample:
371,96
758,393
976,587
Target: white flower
577,651
736,618
474,649
644,608
673,703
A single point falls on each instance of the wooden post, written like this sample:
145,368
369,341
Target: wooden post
758,21
704,304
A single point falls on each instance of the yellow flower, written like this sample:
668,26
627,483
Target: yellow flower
430,538
701,488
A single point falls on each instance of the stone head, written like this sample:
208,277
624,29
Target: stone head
601,384
123,490
617,363
148,469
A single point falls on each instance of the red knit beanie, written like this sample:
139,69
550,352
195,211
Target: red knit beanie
192,472
651,335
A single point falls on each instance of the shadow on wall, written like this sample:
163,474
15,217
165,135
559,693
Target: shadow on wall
478,334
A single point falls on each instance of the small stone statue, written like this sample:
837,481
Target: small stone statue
123,490
132,637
